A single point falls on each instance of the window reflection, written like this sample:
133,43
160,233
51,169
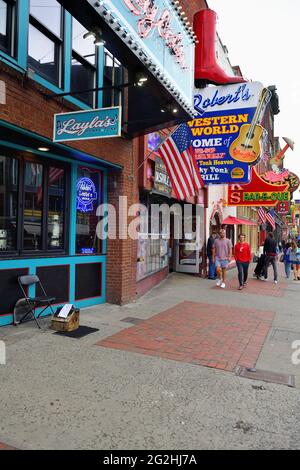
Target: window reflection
48,12
84,47
43,54
6,25
83,78
9,176
33,206
56,204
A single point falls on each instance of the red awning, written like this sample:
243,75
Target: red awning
235,221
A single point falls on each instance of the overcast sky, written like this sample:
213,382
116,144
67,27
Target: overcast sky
263,37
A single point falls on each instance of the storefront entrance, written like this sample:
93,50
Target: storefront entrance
189,248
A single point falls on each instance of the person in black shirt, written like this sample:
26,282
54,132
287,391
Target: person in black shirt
270,252
212,265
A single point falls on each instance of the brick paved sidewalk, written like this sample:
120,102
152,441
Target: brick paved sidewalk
199,333
256,286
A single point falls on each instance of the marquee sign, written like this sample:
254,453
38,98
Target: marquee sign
82,125
159,37
257,193
224,116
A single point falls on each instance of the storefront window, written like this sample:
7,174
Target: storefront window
56,205
87,200
153,247
33,206
9,176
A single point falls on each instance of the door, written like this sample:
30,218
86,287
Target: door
188,249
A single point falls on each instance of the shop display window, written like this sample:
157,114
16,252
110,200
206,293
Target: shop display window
33,206
153,248
89,194
9,177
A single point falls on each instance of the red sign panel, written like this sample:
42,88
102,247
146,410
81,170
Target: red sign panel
283,207
257,193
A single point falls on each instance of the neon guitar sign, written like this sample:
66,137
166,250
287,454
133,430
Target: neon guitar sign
151,19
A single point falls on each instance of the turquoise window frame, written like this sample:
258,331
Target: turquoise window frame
71,259
20,62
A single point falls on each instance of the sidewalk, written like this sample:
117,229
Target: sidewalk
159,373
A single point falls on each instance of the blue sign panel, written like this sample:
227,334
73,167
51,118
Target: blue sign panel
82,125
86,194
158,34
221,139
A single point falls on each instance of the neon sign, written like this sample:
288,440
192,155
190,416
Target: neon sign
86,194
152,19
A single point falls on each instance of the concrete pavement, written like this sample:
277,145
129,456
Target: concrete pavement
95,393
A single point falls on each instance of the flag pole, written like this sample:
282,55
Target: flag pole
152,151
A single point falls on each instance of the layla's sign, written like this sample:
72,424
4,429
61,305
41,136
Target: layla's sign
257,193
81,125
86,195
227,117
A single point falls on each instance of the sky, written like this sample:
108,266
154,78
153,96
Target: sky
263,37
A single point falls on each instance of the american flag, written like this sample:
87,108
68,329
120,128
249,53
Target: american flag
262,215
178,156
270,216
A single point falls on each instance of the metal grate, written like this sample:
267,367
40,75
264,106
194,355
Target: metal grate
266,376
284,336
133,320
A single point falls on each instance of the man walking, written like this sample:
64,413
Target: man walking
222,254
270,252
209,251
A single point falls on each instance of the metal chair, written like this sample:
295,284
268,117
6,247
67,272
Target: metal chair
34,302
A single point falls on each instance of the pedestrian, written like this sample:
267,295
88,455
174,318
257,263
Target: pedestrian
295,260
286,260
222,254
209,250
270,252
242,255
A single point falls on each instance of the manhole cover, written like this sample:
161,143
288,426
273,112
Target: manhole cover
133,320
266,376
284,336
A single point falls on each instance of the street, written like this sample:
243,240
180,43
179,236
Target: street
159,373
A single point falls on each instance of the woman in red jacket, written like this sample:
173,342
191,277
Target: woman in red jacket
242,255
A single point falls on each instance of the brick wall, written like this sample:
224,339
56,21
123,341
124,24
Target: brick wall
28,107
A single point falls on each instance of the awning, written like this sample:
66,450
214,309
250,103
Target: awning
230,220
12,136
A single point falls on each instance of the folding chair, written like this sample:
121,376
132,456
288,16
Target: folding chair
34,302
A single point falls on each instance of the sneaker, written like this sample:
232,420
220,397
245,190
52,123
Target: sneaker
219,283
276,282
263,279
240,288
245,284
223,285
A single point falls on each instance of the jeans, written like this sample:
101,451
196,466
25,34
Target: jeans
287,268
211,268
242,271
270,260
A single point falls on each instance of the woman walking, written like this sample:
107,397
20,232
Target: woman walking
286,260
242,255
295,260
